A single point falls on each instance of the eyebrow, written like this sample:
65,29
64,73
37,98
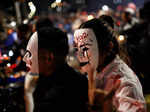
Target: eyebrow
85,44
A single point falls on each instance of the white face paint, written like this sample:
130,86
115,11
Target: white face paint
87,46
31,56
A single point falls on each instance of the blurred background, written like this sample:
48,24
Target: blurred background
17,24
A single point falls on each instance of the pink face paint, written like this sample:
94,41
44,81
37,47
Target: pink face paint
31,56
87,47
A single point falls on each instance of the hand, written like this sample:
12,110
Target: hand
103,99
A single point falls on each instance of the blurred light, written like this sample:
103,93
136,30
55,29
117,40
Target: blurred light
32,8
30,4
9,31
11,76
132,5
10,53
121,38
105,8
53,5
59,9
130,10
13,23
71,58
8,64
25,21
90,17
4,55
58,1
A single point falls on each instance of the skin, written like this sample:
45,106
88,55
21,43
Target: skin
46,62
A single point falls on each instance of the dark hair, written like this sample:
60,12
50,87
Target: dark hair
104,35
145,11
23,30
53,40
108,19
43,22
127,16
138,45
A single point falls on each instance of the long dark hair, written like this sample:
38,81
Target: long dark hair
104,34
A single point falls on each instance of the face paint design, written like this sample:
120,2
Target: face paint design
87,49
31,55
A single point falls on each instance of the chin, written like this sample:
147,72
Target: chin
84,69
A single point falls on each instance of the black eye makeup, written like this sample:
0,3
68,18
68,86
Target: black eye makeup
85,49
28,52
75,49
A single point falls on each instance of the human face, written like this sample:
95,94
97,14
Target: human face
46,62
87,49
31,56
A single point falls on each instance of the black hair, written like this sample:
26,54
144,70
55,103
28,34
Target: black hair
138,45
145,11
43,22
53,40
127,16
104,35
23,30
108,19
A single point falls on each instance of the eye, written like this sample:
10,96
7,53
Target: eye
85,49
75,49
28,52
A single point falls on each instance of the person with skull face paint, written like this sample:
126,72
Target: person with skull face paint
59,87
112,84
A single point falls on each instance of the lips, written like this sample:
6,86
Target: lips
83,63
28,67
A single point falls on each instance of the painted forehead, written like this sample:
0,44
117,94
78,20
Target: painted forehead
82,36
33,43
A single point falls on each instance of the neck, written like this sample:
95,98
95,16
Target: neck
106,61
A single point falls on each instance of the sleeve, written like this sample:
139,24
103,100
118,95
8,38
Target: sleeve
129,99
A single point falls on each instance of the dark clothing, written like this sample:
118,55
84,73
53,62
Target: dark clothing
19,51
64,91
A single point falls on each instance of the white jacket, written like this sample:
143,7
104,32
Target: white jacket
128,96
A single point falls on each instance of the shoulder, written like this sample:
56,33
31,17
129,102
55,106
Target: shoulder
75,75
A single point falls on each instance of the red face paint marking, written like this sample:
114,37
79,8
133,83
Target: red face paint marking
82,36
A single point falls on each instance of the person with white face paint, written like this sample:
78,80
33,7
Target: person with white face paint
31,59
112,84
